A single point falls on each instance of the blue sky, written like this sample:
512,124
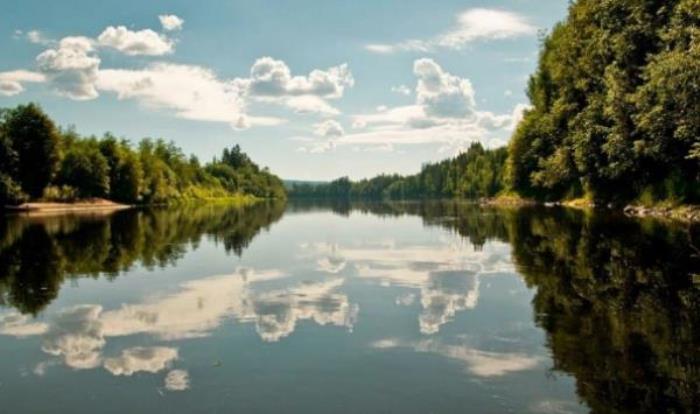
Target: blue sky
312,89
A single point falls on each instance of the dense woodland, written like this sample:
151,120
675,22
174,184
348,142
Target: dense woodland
475,173
615,117
39,161
616,106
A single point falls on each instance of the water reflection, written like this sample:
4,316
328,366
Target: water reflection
613,300
446,274
617,300
616,297
38,254
79,334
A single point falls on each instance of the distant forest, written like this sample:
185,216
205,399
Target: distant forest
615,117
39,161
473,174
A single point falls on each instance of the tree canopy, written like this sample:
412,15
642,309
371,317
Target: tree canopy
615,106
39,161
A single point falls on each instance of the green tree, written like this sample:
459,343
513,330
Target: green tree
35,140
85,169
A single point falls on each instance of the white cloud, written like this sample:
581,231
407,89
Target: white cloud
170,22
472,25
380,48
402,89
132,43
177,380
71,67
11,82
271,81
306,104
445,113
192,92
442,94
329,129
270,77
141,359
37,37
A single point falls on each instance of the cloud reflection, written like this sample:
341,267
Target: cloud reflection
141,359
480,363
78,334
447,274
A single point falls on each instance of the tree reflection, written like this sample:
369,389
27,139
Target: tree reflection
618,303
38,254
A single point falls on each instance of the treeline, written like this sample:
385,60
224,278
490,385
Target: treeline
616,106
473,174
39,161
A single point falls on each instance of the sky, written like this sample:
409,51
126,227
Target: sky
314,90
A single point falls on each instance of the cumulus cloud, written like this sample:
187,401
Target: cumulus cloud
444,113
71,67
132,43
141,359
170,22
270,77
11,83
271,80
329,129
197,93
472,25
442,94
192,92
177,380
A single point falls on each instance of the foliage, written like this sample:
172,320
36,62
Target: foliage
616,105
38,161
34,142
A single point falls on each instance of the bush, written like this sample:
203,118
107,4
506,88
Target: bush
11,192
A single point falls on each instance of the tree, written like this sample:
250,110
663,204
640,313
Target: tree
35,140
615,98
85,169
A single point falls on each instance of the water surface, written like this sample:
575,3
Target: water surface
371,308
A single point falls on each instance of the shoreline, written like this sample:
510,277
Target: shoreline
50,208
105,206
689,213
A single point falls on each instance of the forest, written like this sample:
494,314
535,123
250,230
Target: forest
475,173
614,118
41,162
615,106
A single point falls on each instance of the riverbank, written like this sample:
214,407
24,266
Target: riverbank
683,212
82,206
104,206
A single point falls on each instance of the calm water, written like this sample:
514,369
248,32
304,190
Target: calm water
376,308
